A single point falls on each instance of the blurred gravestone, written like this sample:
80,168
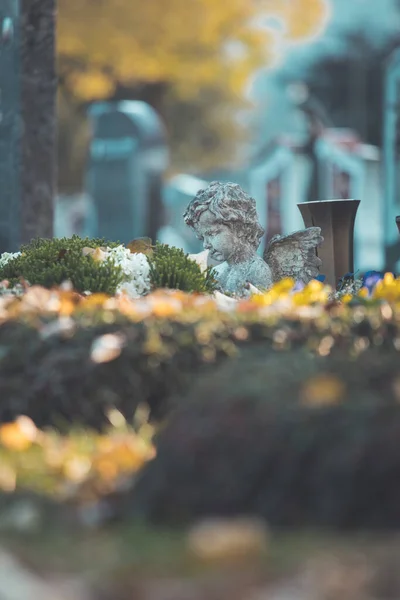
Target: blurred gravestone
128,158
27,120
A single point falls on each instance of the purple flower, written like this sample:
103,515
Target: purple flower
371,278
298,286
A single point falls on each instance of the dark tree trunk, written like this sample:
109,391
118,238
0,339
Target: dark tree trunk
27,120
38,117
9,126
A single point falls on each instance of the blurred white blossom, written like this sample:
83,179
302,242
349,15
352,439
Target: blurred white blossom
136,269
6,257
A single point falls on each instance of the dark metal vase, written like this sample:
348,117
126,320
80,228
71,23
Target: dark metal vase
392,252
336,219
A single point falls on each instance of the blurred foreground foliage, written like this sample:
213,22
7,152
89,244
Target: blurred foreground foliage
283,405
298,440
68,358
80,466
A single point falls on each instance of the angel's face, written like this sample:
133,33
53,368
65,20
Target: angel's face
217,237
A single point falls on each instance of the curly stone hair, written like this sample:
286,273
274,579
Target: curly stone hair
231,206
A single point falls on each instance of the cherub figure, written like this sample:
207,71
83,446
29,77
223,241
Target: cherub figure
226,219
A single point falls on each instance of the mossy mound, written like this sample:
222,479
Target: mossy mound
51,262
171,268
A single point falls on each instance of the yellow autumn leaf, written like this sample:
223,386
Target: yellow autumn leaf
228,539
94,301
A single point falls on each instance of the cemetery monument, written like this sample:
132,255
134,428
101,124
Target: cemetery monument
225,218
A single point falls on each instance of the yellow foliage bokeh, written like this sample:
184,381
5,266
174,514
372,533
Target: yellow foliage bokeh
190,59
190,44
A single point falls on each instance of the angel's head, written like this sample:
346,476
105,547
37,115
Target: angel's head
225,218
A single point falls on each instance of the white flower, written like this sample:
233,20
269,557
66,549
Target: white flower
223,302
136,269
7,256
201,259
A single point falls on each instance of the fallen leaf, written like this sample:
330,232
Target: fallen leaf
98,254
224,302
88,251
61,254
107,348
223,539
18,435
143,245
322,390
38,298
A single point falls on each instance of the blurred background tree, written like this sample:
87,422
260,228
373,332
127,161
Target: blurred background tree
190,59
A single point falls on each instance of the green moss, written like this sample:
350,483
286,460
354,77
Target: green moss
171,268
50,262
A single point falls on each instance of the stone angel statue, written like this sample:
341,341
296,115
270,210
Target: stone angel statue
225,218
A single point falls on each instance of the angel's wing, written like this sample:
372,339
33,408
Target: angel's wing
294,255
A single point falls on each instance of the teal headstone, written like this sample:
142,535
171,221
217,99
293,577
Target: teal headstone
127,160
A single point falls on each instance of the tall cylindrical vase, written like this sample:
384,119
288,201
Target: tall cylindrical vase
336,219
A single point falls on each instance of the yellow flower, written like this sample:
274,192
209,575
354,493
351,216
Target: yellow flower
346,298
388,279
387,288
314,286
285,285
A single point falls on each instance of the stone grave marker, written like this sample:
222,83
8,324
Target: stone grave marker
128,157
